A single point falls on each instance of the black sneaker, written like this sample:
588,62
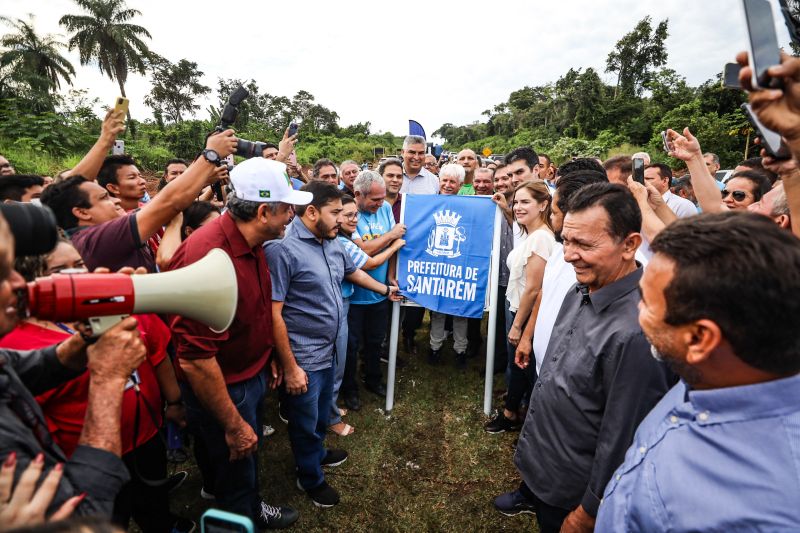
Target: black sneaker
271,517
514,503
409,345
175,480
184,525
378,389
334,457
323,496
434,357
461,361
500,423
177,455
352,402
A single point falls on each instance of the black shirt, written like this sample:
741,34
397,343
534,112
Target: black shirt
597,382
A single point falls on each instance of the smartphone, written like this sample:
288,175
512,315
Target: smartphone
293,158
293,127
118,148
121,104
763,50
730,76
770,140
216,521
638,170
665,141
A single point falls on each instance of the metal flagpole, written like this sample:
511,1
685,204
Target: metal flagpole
395,333
492,326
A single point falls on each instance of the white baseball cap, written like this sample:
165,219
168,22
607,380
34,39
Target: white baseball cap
265,180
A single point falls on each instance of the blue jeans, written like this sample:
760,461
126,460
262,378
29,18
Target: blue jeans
339,363
235,483
308,416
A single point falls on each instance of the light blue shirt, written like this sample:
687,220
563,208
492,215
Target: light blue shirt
371,226
359,260
712,460
425,182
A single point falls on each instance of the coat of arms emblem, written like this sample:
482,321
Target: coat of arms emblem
446,236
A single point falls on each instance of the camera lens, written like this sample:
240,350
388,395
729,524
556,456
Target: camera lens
34,228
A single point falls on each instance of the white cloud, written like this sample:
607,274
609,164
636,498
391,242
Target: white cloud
384,62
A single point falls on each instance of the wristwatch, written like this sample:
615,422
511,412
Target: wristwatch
388,290
211,156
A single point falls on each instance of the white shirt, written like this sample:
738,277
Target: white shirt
680,206
540,243
425,182
559,276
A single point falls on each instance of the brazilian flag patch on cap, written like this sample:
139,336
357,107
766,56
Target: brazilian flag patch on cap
263,194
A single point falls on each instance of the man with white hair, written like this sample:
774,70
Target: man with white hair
368,316
451,178
348,171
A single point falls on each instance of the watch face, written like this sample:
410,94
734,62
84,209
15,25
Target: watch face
211,155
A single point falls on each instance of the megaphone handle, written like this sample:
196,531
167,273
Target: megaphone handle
101,324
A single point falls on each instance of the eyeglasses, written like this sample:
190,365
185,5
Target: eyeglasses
739,196
354,216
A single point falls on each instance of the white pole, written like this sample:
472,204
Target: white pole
394,332
491,330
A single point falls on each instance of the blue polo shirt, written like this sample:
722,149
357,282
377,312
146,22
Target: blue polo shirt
307,277
371,226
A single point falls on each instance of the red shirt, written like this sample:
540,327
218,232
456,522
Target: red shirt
244,349
65,406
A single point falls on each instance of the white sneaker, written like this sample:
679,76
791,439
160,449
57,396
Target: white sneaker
267,430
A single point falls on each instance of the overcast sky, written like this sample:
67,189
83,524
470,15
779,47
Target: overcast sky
386,62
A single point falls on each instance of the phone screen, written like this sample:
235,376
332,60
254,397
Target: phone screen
293,127
764,48
638,170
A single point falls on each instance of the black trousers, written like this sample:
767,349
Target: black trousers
549,517
366,329
147,505
412,321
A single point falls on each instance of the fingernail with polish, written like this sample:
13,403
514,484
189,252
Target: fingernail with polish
59,467
11,459
39,459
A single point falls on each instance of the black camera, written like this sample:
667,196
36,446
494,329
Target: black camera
244,148
34,228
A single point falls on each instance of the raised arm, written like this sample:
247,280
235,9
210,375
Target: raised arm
374,246
89,166
183,190
686,147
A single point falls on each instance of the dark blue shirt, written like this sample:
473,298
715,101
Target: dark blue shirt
307,277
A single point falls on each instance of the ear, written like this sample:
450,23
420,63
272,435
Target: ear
703,337
81,213
783,221
631,244
113,188
188,230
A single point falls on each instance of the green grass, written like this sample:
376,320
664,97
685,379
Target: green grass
427,467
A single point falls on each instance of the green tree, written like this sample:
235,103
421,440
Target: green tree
103,34
175,87
31,60
636,55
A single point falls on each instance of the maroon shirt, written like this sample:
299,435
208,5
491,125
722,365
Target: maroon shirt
113,244
396,207
244,349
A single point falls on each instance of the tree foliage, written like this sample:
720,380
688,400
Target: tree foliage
31,63
175,88
637,55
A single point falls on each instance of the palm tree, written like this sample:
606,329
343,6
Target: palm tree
33,59
103,35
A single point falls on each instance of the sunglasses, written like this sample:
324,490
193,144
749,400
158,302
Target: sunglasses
736,195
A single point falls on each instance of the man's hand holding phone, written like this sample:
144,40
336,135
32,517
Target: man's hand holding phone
286,146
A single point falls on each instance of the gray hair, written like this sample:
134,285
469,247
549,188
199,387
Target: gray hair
413,139
365,179
714,157
484,170
349,162
388,162
246,210
452,170
781,205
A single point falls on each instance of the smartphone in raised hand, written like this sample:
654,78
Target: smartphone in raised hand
638,170
771,140
666,142
121,104
293,127
118,148
762,43
730,76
